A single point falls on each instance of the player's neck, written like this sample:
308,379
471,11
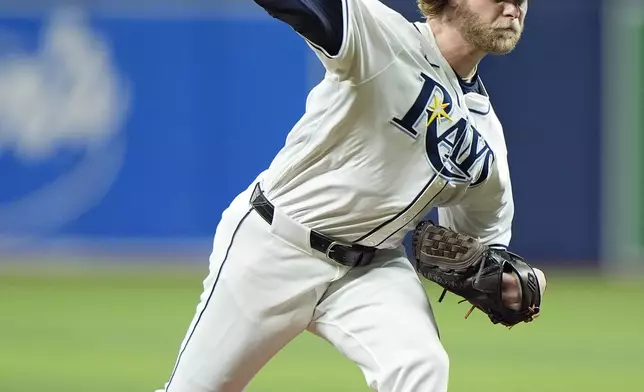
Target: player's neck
462,56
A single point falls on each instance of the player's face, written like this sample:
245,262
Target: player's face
492,26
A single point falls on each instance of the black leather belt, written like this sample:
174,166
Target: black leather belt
350,255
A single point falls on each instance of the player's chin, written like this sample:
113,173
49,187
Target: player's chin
503,45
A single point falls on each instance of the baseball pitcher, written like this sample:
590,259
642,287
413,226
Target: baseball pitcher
400,124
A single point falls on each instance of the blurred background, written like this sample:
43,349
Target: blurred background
126,128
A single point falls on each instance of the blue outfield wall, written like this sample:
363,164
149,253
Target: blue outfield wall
190,108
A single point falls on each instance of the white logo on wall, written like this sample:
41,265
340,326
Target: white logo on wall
66,94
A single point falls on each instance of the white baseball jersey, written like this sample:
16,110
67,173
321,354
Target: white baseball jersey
387,135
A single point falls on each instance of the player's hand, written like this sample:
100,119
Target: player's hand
512,289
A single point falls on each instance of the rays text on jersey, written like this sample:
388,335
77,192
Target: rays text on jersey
455,149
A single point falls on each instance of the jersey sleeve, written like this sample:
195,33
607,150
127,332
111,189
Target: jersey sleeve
485,216
346,35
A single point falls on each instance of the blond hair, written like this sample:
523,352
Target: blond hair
432,8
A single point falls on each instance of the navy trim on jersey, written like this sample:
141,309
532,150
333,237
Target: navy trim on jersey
422,37
429,183
415,216
321,22
230,244
475,86
424,55
480,112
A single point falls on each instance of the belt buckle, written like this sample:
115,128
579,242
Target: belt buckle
330,249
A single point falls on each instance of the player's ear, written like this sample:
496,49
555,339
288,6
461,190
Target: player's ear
452,5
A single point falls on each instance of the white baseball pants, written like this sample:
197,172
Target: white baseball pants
266,286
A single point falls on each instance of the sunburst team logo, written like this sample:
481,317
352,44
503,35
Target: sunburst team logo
64,96
437,110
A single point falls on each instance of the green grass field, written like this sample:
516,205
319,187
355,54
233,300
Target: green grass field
118,331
